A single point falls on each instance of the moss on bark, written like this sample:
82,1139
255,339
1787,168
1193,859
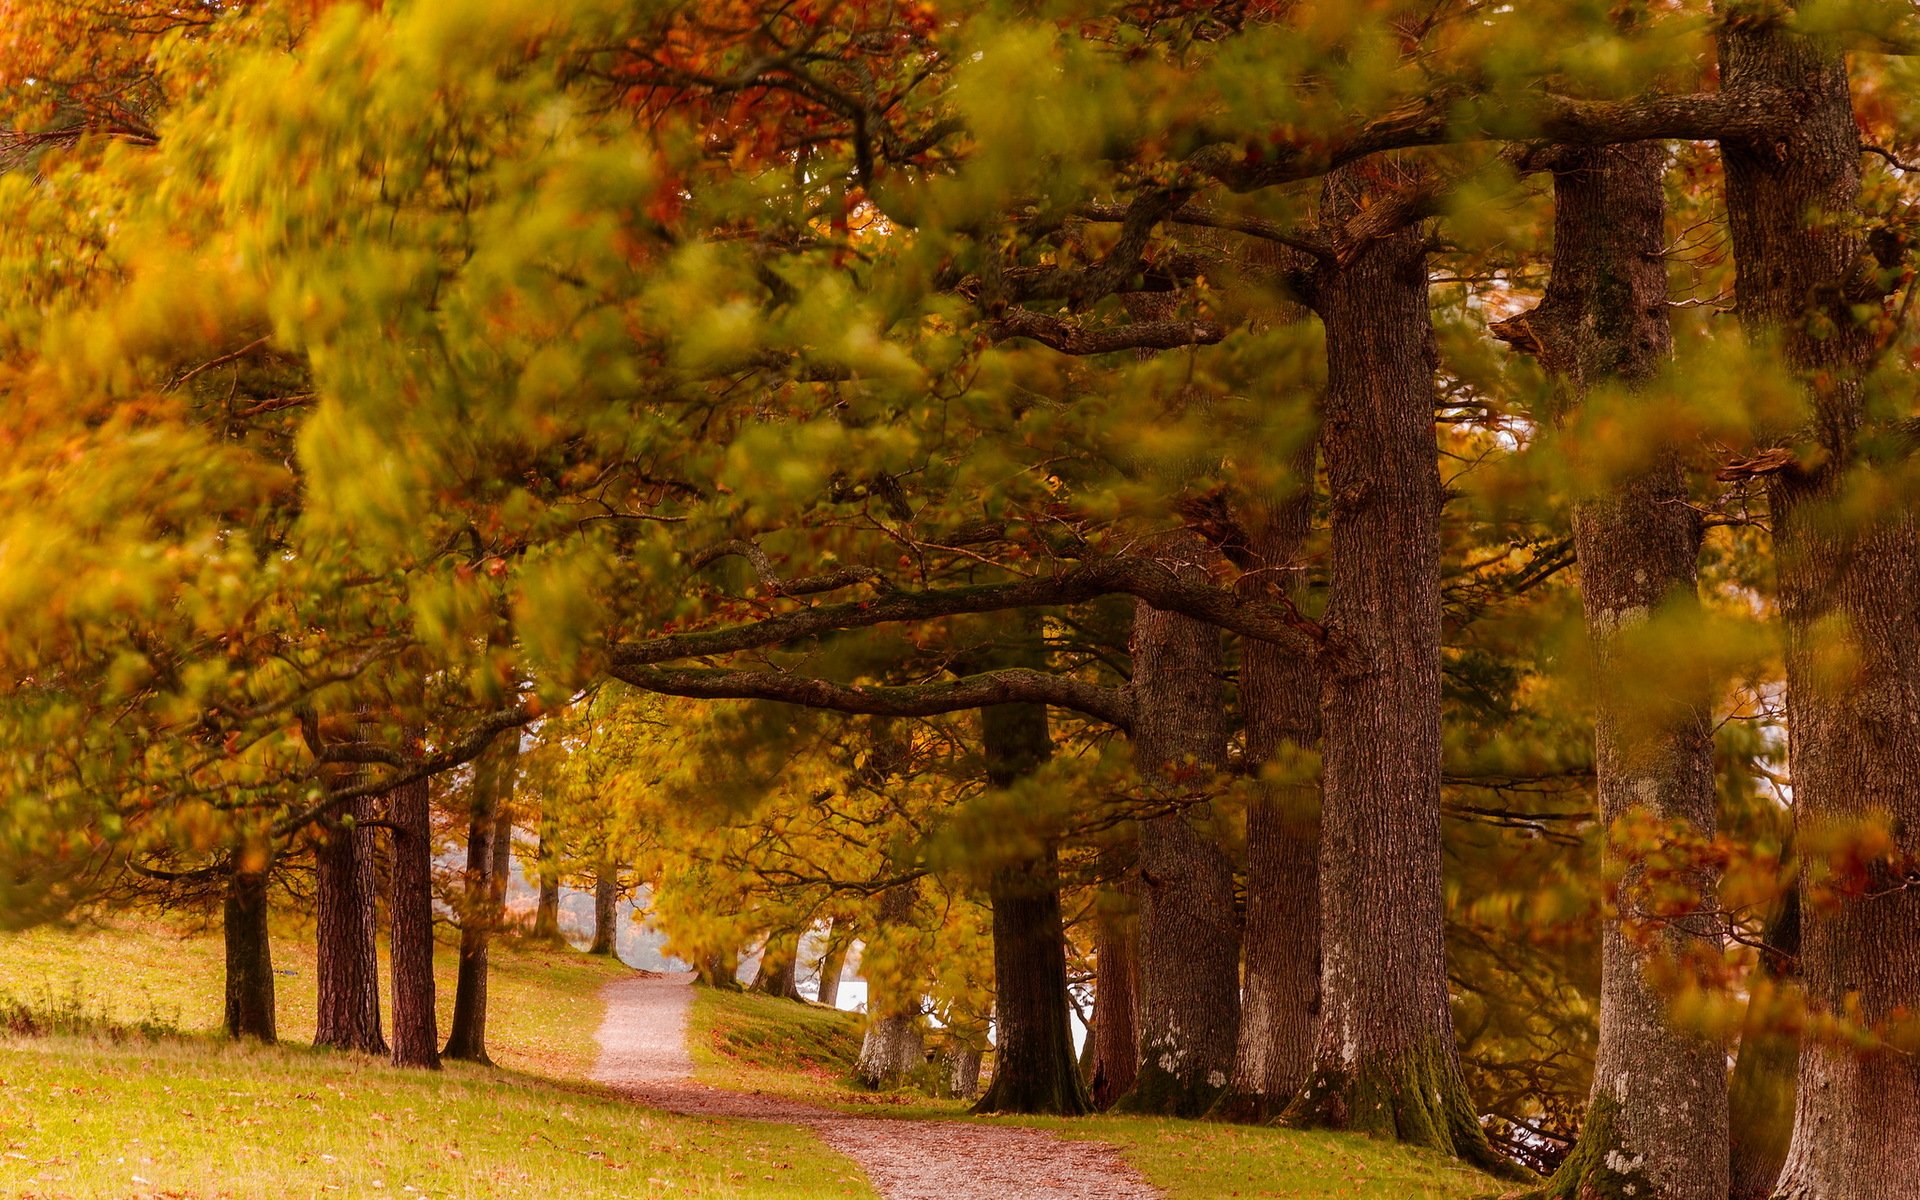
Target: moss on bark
1599,1168
1417,1097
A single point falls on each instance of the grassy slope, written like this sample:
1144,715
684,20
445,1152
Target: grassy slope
98,1118
754,1043
543,1011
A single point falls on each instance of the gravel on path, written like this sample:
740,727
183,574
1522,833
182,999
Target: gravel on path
643,1055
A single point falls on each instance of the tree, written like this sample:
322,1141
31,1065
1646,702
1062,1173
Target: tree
1658,1118
1034,1069
483,894
1806,273
416,1035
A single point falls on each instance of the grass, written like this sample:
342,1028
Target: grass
543,1002
759,1044
91,1121
124,1114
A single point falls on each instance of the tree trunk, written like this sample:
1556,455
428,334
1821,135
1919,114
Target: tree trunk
719,970
347,961
1657,1121
1385,1059
1848,574
833,963
893,1048
1189,930
250,1001
1113,1039
416,1033
962,1062
1034,1069
606,911
1280,703
1760,1097
779,973
546,915
482,895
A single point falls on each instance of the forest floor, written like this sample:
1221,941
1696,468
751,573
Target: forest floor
113,1084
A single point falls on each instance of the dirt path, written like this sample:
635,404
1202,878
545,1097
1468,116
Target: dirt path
643,1054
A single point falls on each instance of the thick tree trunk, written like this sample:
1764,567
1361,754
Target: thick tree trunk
779,973
1113,1039
482,896
546,914
833,963
416,1033
1189,930
893,1048
1760,1097
1385,1060
606,911
1280,703
1034,1069
1848,574
347,961
250,1001
1657,1121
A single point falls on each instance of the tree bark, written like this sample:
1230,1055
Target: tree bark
416,1034
893,1047
1280,704
347,961
833,963
1189,930
962,1063
606,910
779,973
1657,1121
1113,1038
482,896
250,1000
1761,1095
1034,1069
546,915
1385,1060
1848,574
719,970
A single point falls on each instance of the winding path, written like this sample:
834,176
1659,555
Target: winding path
643,1055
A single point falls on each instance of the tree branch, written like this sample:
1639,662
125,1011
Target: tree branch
1010,686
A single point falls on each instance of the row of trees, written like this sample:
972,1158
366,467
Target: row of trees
1163,429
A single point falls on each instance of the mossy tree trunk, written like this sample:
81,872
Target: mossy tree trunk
347,963
1189,928
416,1034
1657,1121
250,998
1807,278
1385,1060
482,895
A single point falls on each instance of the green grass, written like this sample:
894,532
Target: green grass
755,1043
88,1120
189,1115
543,1002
